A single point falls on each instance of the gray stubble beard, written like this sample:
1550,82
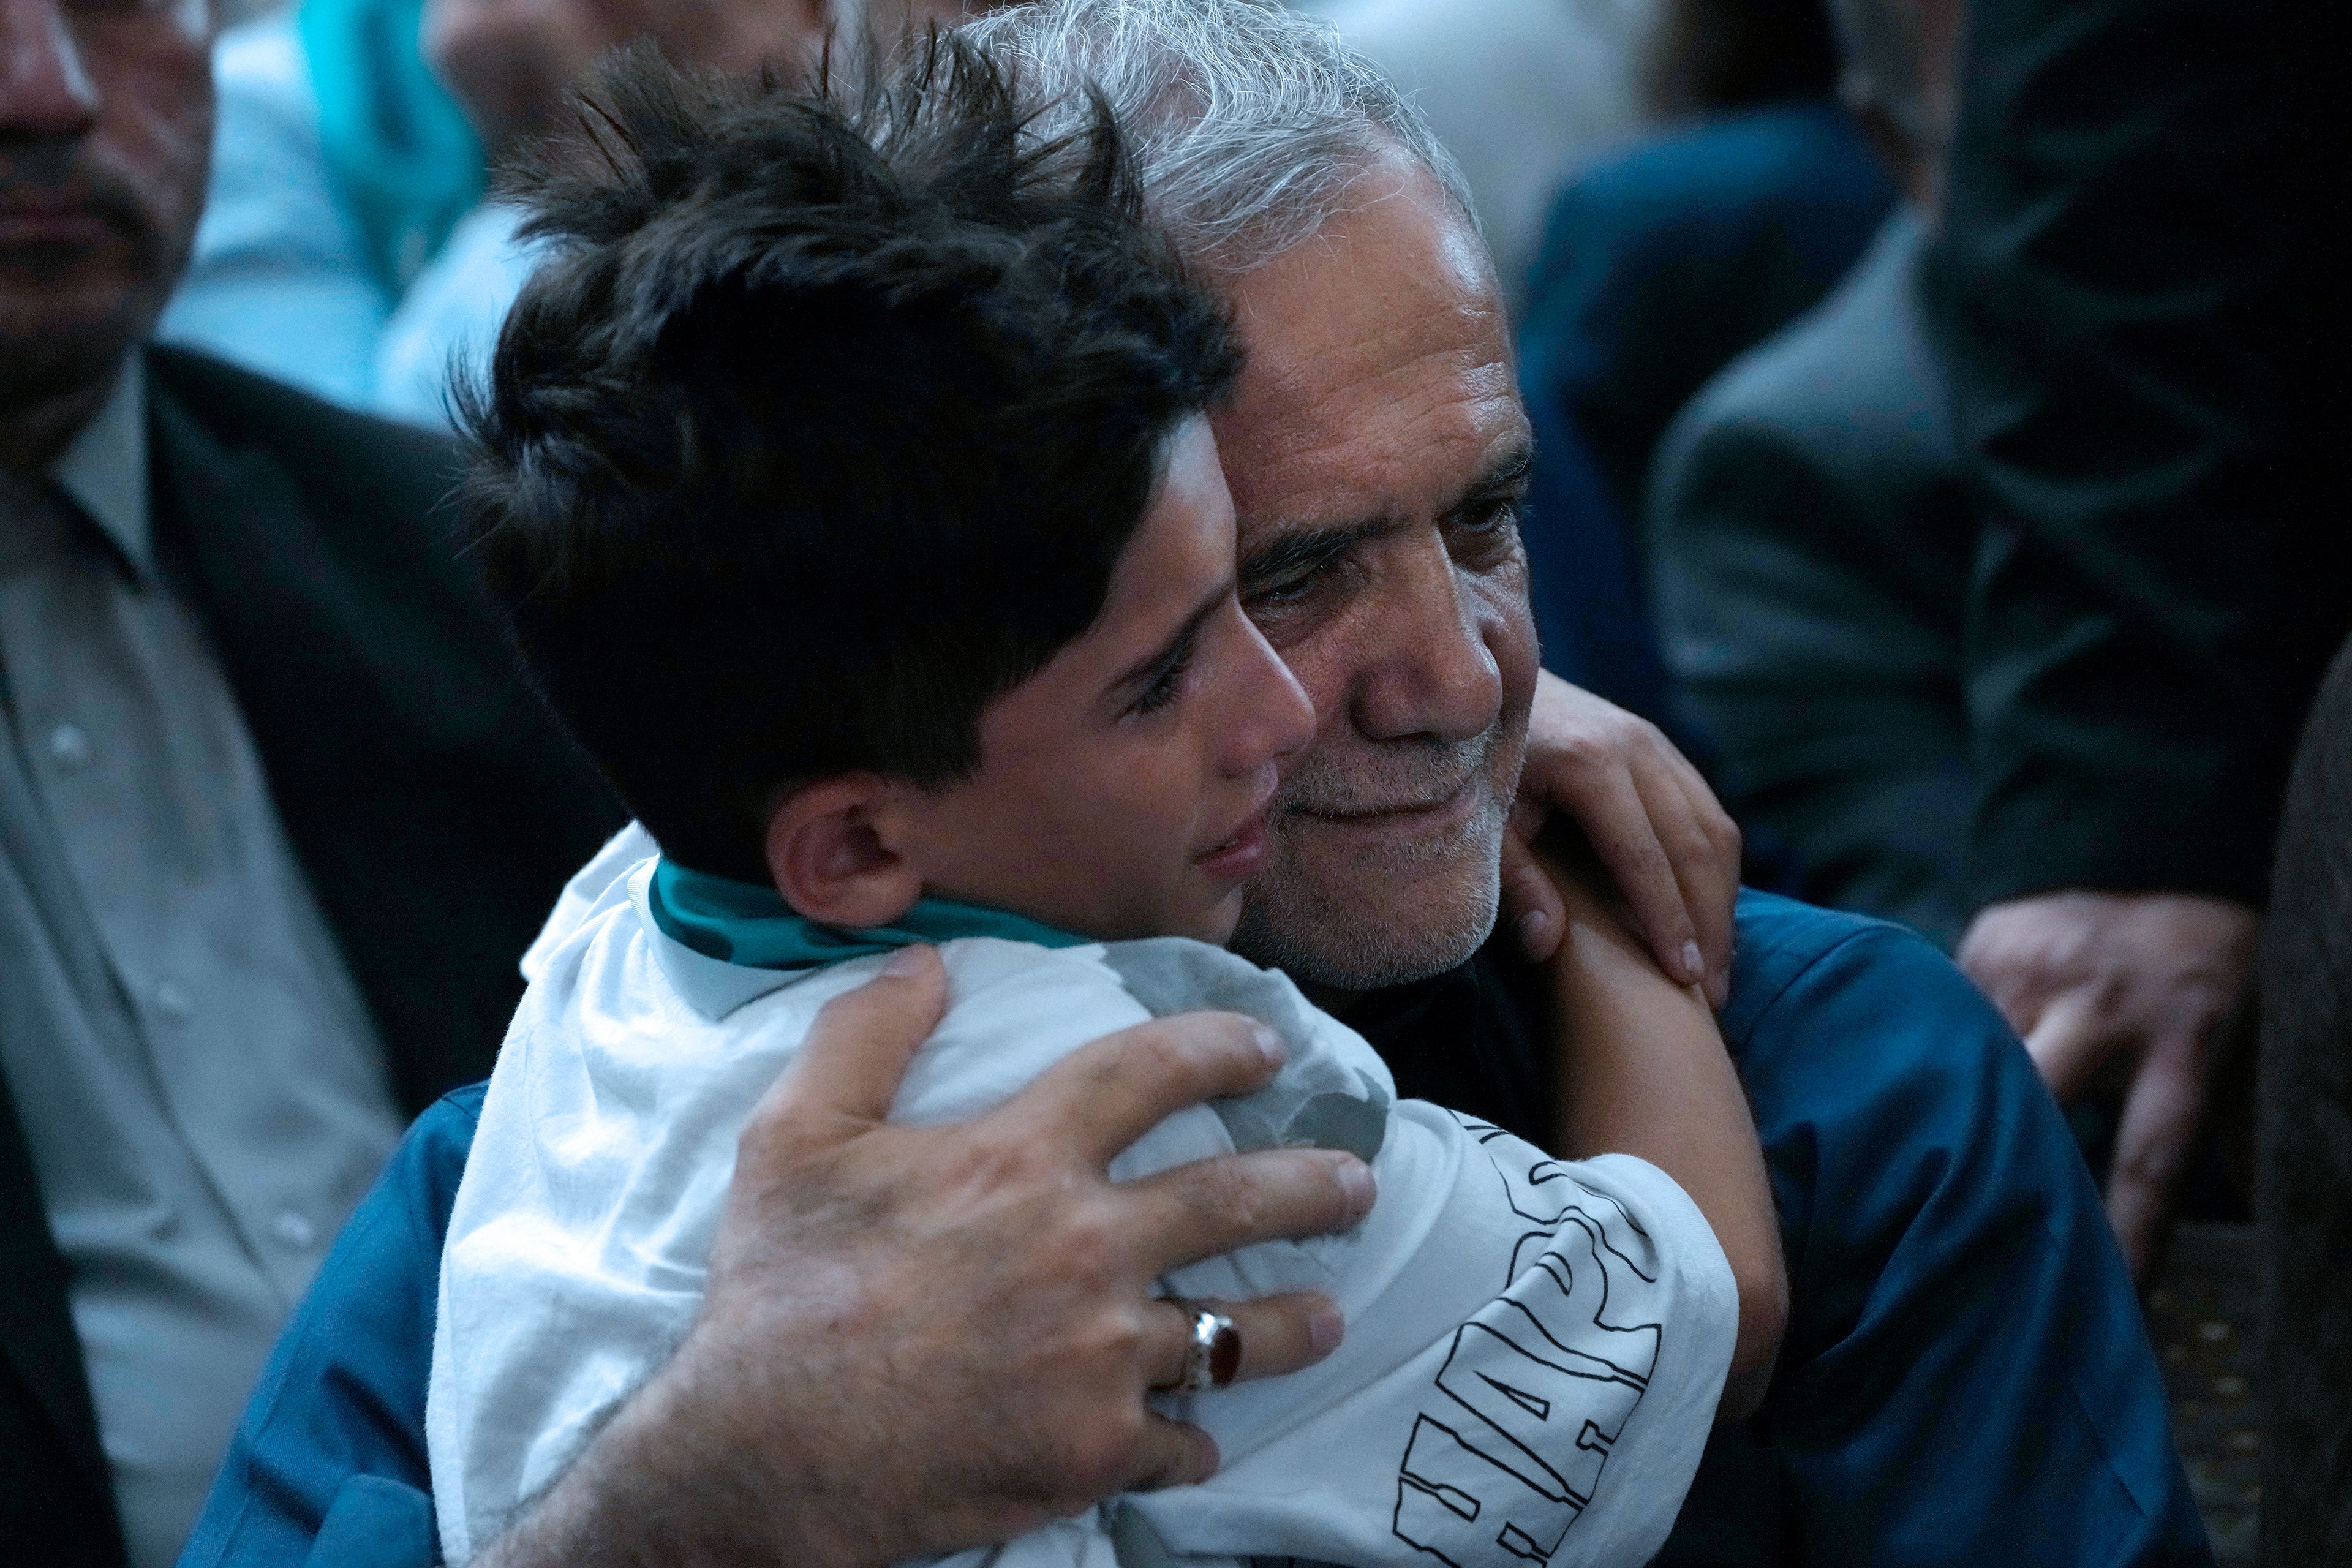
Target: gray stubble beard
1335,939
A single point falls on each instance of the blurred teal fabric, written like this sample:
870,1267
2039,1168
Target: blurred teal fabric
394,140
342,177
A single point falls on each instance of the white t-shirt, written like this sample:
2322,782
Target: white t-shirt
1534,1349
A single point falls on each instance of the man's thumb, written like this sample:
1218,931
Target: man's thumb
850,1066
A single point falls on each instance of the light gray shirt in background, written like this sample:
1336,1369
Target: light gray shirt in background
1523,92
200,1084
281,281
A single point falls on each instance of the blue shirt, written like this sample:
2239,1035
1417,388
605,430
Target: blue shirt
1965,1378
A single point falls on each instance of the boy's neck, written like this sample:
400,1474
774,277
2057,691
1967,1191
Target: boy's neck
750,924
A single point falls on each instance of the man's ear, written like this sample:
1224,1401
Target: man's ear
835,855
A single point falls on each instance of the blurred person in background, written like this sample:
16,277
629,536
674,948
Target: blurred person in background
246,691
2005,617
2304,1201
346,247
1810,533
2124,292
1658,265
1522,92
2134,295
341,164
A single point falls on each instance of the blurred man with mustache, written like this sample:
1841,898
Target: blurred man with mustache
93,231
243,680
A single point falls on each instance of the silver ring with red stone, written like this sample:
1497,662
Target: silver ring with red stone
1215,1354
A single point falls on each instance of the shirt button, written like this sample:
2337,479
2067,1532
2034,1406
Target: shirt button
293,1230
69,745
171,1000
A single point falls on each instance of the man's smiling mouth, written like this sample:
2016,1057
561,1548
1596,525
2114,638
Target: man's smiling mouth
1437,804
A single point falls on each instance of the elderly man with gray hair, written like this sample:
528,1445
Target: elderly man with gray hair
916,1341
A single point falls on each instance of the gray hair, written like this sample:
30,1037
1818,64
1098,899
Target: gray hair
1247,121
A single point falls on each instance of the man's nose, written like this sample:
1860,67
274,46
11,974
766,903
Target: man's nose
44,90
1430,672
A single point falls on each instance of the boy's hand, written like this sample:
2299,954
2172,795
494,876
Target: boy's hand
921,1339
1656,827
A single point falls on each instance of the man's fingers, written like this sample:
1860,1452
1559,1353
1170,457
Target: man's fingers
2012,960
2161,1114
1170,1454
1213,1207
1278,1333
2068,1042
856,1054
1105,1095
1531,903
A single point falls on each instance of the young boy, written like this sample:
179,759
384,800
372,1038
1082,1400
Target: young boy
846,479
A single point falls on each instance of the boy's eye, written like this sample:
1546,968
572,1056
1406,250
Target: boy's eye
1165,683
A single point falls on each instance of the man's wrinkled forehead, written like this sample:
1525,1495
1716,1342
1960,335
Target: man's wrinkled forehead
1378,381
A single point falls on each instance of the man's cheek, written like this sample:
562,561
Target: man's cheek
1299,868
1510,631
1320,660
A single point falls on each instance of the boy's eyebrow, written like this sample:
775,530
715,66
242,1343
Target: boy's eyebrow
1167,653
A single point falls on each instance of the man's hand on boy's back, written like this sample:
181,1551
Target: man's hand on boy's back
1656,827
921,1339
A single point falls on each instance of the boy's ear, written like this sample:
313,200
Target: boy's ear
834,853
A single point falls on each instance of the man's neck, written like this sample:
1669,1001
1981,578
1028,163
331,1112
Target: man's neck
1332,999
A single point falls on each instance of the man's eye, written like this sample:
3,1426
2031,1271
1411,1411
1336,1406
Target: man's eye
1489,517
1283,589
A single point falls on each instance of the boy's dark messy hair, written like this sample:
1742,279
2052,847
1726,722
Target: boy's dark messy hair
822,426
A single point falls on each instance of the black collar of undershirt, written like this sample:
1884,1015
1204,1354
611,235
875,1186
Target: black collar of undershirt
1473,1039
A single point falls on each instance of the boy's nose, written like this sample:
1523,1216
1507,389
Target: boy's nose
1280,720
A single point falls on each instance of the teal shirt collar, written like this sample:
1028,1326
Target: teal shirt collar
747,924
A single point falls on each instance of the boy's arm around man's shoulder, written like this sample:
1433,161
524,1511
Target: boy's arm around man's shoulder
1579,1314
1645,1073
